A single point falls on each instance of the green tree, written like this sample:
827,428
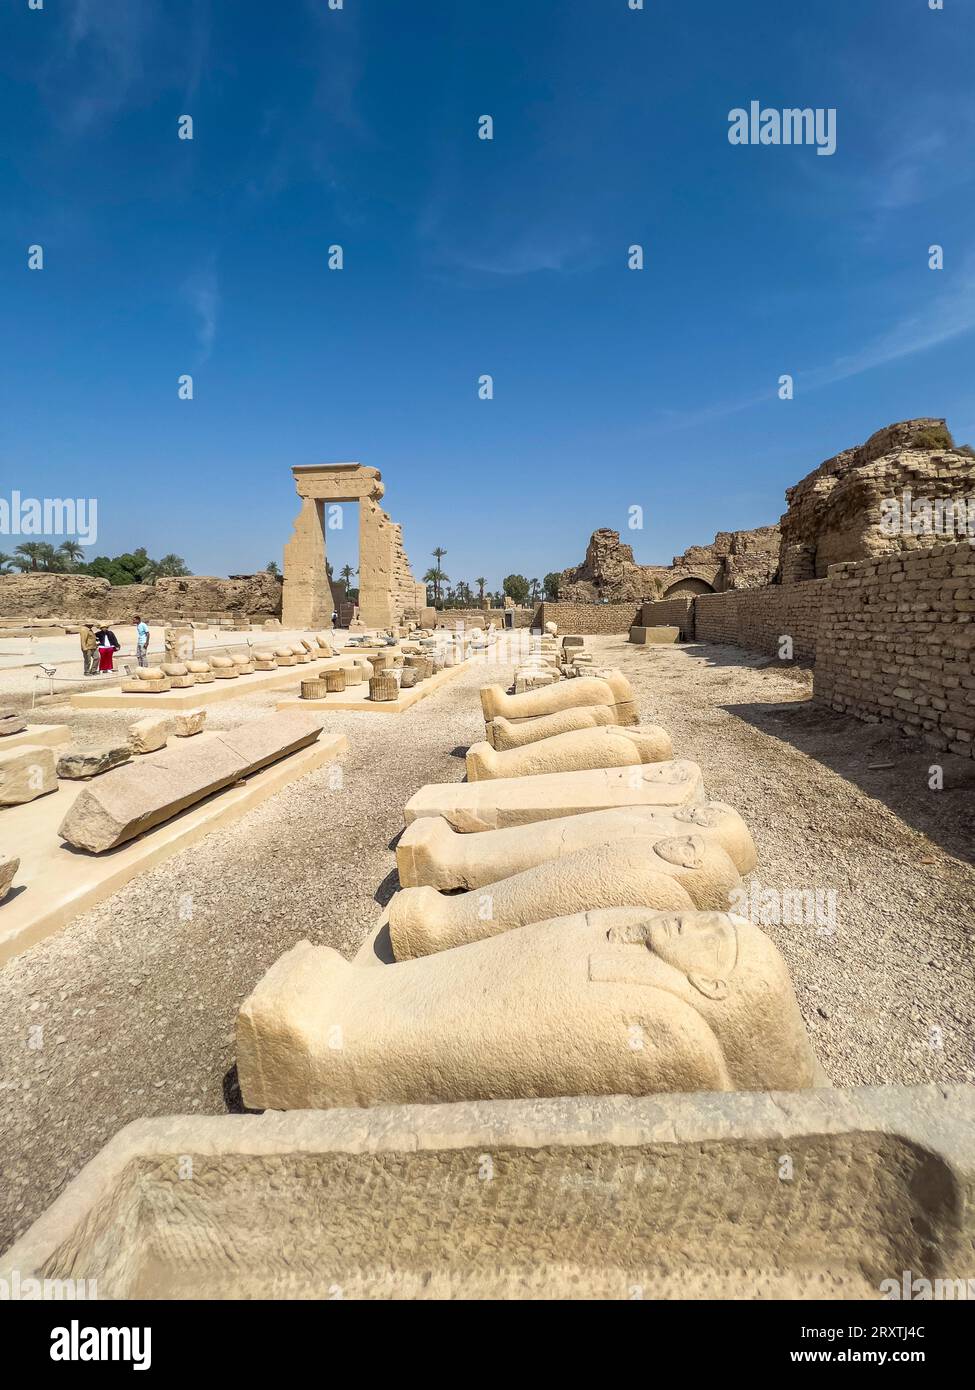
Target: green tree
480,581
435,575
170,567
552,585
271,567
5,562
27,556
534,585
516,586
71,553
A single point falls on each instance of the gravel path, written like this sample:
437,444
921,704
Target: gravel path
135,1001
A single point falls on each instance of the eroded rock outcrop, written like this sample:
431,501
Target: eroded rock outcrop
837,512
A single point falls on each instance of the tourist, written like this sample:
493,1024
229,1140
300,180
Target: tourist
141,641
89,647
108,645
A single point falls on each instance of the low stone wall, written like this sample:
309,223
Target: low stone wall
82,597
482,617
670,612
759,618
590,619
897,643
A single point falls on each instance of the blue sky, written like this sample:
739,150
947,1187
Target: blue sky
358,127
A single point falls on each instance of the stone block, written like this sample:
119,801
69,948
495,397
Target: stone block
149,734
146,686
82,763
11,723
8,871
26,773
491,805
130,800
654,636
190,722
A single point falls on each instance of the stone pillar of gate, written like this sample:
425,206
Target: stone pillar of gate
306,600
375,564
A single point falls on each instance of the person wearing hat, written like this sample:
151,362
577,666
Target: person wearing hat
89,647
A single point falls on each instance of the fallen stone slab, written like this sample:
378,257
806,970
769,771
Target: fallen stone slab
503,801
572,752
190,723
11,723
132,799
149,734
8,869
430,852
83,763
26,772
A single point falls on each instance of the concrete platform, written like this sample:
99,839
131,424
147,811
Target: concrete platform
213,692
667,1197
47,735
358,699
56,883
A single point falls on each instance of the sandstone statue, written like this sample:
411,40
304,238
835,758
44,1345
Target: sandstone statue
617,1002
613,689
502,801
503,733
430,852
680,872
572,752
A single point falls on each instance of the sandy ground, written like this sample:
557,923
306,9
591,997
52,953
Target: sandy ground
130,1011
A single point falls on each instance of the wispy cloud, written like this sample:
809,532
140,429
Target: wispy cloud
201,293
943,318
109,55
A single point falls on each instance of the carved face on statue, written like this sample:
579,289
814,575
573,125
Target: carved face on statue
703,946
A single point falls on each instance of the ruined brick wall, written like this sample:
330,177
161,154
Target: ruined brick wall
759,618
897,643
590,619
670,612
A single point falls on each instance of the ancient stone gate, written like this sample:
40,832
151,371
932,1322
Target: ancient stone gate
387,589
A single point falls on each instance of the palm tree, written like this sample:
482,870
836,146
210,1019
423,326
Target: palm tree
345,574
170,566
28,555
535,584
438,553
271,567
480,582
5,562
71,553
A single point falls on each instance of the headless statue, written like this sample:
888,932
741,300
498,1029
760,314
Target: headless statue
430,852
680,873
610,689
617,1002
572,752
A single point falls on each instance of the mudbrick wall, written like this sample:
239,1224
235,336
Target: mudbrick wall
760,618
589,619
897,643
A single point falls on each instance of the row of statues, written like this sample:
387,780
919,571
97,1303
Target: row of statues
589,953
